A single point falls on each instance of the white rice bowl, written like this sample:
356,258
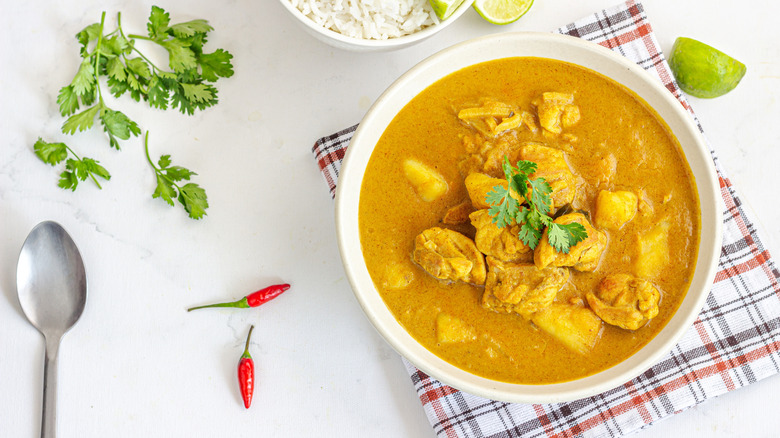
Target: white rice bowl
369,19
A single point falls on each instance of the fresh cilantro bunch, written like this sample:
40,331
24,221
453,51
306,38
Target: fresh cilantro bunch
187,84
533,217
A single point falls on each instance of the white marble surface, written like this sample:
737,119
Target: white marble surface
138,365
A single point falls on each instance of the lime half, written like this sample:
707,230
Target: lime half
502,11
704,71
445,8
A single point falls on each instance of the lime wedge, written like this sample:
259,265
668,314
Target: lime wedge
502,11
703,71
445,8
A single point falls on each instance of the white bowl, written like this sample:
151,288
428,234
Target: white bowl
341,41
557,47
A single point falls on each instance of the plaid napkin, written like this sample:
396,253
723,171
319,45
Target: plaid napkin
733,343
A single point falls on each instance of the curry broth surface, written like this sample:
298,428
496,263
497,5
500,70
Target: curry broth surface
613,121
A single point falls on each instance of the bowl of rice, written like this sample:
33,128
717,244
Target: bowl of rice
370,25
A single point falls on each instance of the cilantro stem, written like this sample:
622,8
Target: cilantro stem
157,170
140,37
79,158
121,32
97,56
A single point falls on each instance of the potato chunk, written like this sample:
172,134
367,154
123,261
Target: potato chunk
428,183
578,328
625,301
652,250
615,209
584,256
521,287
501,243
398,276
449,255
450,329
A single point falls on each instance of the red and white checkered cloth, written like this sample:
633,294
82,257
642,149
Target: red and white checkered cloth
733,343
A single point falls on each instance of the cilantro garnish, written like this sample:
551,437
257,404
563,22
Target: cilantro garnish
185,83
532,216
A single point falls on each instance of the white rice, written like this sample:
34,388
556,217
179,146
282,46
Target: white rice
369,19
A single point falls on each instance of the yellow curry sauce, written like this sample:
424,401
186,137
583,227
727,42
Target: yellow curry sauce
619,144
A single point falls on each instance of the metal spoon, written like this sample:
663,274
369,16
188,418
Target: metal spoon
52,288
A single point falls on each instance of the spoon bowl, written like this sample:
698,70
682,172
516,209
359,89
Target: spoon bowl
52,286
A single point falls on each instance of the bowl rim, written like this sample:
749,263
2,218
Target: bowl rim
368,43
553,46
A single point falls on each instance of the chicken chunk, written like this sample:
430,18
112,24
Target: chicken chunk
458,214
557,111
625,301
429,184
652,250
450,329
551,165
614,209
449,255
584,256
501,243
521,287
578,328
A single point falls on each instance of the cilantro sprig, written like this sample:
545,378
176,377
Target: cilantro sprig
532,215
112,58
76,168
190,195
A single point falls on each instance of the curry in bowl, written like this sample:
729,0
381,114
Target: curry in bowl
529,221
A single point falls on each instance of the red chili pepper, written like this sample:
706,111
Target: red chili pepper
252,300
246,373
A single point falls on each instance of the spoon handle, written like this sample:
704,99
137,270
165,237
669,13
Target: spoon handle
49,414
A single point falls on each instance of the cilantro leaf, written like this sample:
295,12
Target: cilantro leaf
158,22
81,121
194,200
114,46
179,100
84,81
215,65
564,236
67,100
157,93
68,180
50,153
164,189
178,173
117,125
93,167
115,69
541,194
198,93
180,57
139,67
190,28
87,35
529,235
503,208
